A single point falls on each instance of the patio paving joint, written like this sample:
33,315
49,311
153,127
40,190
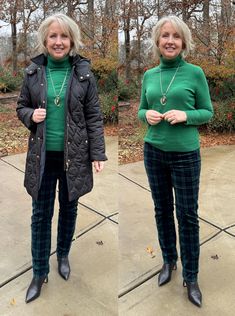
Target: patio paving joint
139,185
99,213
138,283
11,165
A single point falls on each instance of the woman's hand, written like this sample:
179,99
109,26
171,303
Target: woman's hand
98,165
153,117
175,116
39,115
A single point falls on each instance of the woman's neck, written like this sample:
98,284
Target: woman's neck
170,63
57,63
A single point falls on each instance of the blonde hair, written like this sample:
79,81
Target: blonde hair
69,27
180,26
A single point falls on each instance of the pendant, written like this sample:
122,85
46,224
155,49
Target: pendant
163,100
57,100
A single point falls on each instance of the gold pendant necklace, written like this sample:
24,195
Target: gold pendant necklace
57,98
163,99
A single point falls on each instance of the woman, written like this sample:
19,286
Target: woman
58,103
175,100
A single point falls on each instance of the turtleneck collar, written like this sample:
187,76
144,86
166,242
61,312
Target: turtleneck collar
170,63
58,63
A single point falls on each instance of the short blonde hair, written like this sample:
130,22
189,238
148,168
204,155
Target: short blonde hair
180,26
69,27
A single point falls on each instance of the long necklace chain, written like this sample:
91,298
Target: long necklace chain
163,99
57,98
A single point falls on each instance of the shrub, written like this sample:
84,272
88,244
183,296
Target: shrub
220,78
127,89
107,82
109,106
10,81
224,117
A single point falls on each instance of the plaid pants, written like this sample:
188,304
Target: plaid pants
43,209
178,171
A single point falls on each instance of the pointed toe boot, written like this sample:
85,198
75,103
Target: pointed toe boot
34,289
194,293
64,267
165,273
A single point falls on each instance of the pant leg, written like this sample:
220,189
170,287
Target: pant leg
66,220
42,215
159,177
185,177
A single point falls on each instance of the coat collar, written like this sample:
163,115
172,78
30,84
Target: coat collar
41,60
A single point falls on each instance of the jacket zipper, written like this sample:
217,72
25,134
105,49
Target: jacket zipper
66,152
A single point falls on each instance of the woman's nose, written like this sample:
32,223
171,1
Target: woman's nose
58,40
171,39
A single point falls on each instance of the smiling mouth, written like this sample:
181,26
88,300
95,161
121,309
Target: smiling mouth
58,49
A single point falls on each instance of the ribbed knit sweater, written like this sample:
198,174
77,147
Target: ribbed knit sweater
189,92
55,115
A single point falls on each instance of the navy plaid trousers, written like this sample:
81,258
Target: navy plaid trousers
43,209
178,172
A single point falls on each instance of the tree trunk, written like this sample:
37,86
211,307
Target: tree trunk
127,21
14,37
91,21
206,23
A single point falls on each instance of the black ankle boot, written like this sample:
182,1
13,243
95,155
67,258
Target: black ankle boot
63,267
194,293
165,274
34,289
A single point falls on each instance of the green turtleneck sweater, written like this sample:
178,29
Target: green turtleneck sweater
57,73
189,92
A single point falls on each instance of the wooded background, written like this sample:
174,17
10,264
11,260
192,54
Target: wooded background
116,36
97,20
211,23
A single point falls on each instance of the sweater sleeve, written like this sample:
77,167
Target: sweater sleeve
203,107
143,107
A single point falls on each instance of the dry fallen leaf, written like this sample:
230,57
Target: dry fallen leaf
150,251
13,302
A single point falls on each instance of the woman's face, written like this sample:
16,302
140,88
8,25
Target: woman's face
170,42
58,43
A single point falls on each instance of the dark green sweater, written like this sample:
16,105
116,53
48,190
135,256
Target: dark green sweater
189,92
55,117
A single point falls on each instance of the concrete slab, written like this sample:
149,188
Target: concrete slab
91,289
137,232
138,236
216,282
217,197
104,196
135,172
15,220
217,183
18,161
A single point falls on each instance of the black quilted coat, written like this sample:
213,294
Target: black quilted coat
84,139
